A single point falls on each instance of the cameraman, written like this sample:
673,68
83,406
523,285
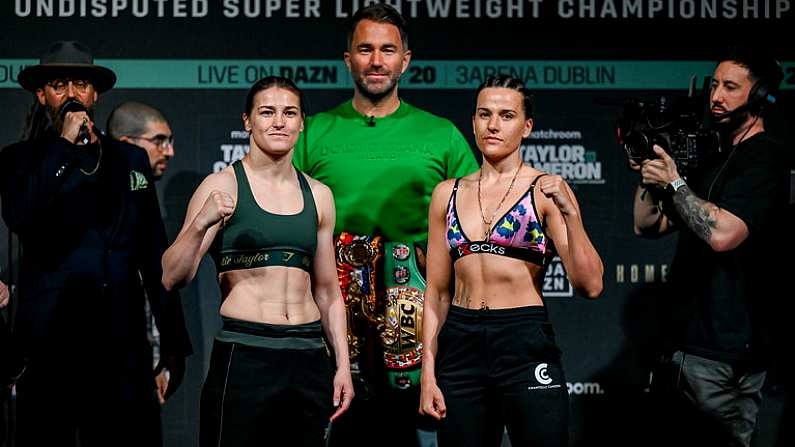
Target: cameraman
729,215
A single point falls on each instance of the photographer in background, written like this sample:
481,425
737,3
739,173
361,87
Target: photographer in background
729,215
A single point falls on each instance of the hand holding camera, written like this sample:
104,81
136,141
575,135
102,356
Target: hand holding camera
661,171
680,127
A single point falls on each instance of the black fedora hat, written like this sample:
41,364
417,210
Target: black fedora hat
66,59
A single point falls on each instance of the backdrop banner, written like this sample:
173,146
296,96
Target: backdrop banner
195,59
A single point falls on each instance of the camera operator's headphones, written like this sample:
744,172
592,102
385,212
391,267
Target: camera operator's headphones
760,97
763,93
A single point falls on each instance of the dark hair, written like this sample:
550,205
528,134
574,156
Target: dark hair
761,65
130,119
36,121
506,81
273,81
380,13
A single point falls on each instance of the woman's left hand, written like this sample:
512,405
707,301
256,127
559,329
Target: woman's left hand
554,187
343,392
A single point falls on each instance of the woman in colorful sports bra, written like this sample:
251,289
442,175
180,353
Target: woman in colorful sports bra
489,354
269,229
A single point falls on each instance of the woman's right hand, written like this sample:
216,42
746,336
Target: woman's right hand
218,206
432,401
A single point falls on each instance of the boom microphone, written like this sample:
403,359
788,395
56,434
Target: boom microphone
732,113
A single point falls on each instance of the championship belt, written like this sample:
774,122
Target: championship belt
402,334
356,271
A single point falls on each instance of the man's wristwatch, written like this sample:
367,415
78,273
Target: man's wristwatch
675,185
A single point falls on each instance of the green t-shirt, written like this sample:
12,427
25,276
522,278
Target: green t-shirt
382,171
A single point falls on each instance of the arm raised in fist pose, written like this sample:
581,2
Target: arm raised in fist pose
269,229
497,230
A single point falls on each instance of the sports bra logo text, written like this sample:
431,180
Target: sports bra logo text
483,247
244,260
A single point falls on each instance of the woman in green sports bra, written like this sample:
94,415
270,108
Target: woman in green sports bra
269,229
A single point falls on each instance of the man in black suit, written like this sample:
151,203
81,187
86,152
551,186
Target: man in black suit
86,213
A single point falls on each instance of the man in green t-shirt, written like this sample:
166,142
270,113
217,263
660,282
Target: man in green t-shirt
381,157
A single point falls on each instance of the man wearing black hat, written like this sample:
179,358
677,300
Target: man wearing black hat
86,213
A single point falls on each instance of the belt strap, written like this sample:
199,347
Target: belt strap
405,296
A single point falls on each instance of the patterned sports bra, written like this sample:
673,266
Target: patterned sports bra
517,234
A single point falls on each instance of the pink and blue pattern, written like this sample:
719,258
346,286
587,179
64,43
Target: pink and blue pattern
518,228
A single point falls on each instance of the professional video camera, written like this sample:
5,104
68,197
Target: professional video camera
681,126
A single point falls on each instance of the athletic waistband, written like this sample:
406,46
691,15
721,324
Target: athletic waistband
537,313
272,336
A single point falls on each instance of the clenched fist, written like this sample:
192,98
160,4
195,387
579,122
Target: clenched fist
218,206
554,187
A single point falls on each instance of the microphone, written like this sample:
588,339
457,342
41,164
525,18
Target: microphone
748,106
73,105
371,122
732,113
82,134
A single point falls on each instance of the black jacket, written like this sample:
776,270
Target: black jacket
91,252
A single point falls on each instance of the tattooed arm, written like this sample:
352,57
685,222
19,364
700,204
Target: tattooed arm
717,227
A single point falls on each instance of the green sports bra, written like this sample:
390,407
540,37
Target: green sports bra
254,238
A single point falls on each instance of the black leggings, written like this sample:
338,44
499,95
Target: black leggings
501,368
268,385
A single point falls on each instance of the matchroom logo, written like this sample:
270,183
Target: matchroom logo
584,388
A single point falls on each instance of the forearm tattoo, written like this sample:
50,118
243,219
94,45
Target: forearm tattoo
696,213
